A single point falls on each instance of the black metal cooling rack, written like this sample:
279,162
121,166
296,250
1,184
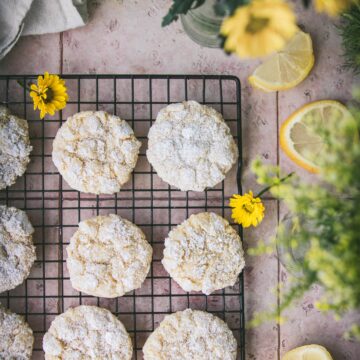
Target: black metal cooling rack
55,209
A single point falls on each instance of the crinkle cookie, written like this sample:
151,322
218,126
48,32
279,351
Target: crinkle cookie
17,251
108,256
87,332
191,335
204,253
16,336
191,146
15,147
95,152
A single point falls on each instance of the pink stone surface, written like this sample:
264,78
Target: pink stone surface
124,36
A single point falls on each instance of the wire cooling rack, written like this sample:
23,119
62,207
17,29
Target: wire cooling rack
55,209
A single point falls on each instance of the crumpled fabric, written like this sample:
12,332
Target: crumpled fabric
34,17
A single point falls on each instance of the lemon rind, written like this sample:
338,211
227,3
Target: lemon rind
284,137
257,83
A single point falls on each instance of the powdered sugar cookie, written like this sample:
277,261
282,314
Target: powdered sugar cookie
190,335
108,256
204,253
15,147
87,332
190,146
17,251
16,336
95,152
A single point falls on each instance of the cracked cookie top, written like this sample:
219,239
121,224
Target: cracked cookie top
190,335
15,147
191,146
16,336
108,256
95,152
204,253
17,251
87,332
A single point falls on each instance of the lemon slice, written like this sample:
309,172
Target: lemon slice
286,68
297,138
308,352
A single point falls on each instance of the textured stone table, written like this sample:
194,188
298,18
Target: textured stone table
124,36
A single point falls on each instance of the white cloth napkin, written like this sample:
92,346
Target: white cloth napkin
30,17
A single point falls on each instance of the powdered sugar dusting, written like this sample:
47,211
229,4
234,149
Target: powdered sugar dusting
17,251
108,256
190,146
95,152
87,332
204,253
15,147
16,336
190,335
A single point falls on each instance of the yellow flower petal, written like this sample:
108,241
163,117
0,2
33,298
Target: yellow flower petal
247,210
259,28
49,94
333,7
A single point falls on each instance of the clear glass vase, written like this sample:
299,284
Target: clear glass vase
202,25
292,258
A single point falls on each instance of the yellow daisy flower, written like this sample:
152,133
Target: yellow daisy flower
259,28
247,210
49,95
333,7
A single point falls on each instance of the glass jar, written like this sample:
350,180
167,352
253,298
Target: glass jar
202,25
292,258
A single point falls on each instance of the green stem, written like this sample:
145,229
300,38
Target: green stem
269,187
23,85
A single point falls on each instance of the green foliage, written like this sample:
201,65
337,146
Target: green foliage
326,219
180,7
222,8
228,7
349,29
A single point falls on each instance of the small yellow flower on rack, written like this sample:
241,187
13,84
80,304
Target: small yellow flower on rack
247,210
49,94
259,28
333,7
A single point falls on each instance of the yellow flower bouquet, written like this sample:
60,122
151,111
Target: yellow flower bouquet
254,28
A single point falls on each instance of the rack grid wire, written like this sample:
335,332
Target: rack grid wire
55,209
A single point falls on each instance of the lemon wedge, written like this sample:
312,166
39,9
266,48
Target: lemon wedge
297,138
287,68
308,352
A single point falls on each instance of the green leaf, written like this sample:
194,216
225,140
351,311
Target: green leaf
180,7
228,7
306,3
349,30
328,213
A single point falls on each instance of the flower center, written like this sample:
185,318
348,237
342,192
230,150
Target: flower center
249,207
49,95
256,24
